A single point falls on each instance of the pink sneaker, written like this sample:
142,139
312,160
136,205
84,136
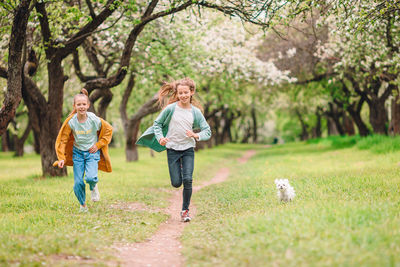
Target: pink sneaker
185,216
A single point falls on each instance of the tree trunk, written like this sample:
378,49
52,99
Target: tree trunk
19,147
5,147
348,125
226,132
304,131
51,120
14,72
20,142
336,114
332,130
355,113
36,143
216,135
131,125
104,103
247,134
316,132
131,151
378,116
395,120
254,118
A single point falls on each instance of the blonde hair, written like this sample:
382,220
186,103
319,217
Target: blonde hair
168,92
83,93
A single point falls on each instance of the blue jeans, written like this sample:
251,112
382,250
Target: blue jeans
85,166
181,165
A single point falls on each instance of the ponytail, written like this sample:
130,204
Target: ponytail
167,90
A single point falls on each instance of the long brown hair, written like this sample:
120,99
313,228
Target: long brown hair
84,93
168,92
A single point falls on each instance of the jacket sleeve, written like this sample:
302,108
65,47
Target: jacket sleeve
62,140
205,131
158,124
106,136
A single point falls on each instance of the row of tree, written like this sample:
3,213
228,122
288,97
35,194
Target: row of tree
317,61
347,61
102,37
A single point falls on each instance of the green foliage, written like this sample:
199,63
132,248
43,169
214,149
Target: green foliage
380,144
336,141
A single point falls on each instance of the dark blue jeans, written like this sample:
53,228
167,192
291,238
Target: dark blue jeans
181,165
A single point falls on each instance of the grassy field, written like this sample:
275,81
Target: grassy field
346,212
39,219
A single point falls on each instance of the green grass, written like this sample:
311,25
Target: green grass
39,219
346,212
379,144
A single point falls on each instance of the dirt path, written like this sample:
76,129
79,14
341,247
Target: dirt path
163,249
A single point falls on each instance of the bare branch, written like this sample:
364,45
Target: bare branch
45,28
91,54
130,42
87,30
91,10
78,71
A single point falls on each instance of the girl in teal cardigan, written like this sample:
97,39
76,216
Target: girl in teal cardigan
173,130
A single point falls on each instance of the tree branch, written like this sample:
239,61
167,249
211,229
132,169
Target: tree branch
149,107
86,30
91,54
91,10
130,42
125,98
77,66
45,28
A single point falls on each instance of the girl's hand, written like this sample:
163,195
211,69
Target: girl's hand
61,164
189,133
93,149
163,141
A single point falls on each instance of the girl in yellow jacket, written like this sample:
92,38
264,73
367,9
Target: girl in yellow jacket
83,143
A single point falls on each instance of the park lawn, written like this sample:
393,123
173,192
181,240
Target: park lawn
39,219
346,212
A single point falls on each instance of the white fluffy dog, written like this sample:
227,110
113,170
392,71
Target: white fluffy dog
285,190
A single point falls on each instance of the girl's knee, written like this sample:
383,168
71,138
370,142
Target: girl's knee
187,183
176,184
91,179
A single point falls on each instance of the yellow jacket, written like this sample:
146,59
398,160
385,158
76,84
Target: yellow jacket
65,143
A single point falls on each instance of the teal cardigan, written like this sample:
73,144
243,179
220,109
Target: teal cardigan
159,129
